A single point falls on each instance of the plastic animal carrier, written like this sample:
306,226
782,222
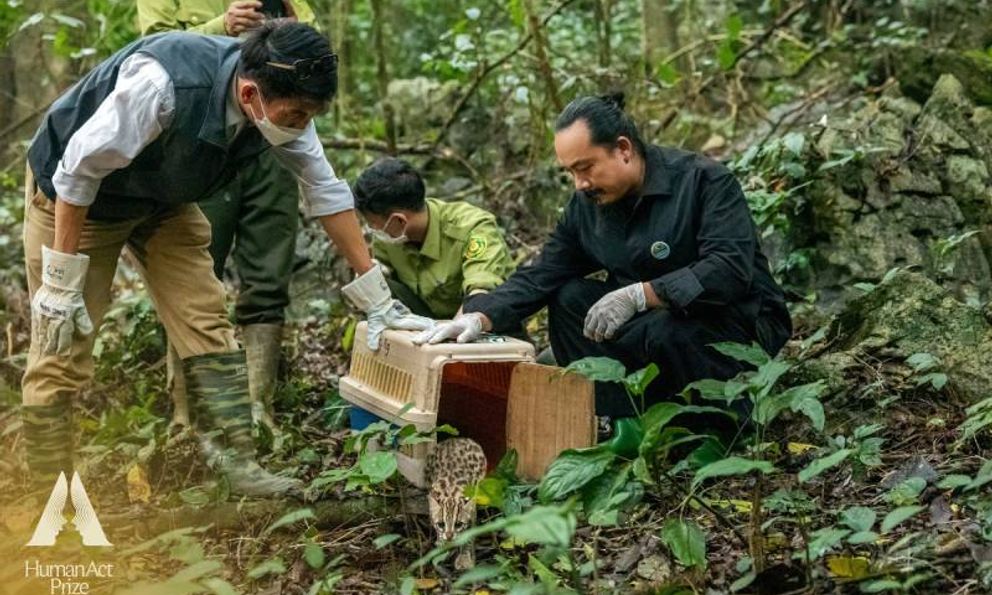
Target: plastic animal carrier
489,390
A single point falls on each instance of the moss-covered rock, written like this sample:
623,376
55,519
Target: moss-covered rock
904,315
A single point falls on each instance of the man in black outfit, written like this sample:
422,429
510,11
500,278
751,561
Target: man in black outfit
672,230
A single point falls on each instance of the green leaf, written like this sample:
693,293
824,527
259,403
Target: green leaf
983,477
899,515
907,491
597,494
314,555
812,408
820,465
877,586
858,518
731,466
384,540
572,470
378,466
291,518
544,525
638,382
862,537
507,466
823,541
954,481
270,566
488,492
921,362
479,574
686,541
794,142
734,27
600,369
753,354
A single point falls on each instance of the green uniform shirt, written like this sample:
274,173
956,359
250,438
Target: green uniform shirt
464,252
202,16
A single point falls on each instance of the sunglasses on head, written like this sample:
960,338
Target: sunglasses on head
308,67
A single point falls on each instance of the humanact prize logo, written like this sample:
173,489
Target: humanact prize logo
68,579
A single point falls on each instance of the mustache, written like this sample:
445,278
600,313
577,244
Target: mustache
592,194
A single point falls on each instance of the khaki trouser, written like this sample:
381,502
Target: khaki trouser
171,251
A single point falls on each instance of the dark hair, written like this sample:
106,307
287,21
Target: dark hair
389,185
604,116
284,41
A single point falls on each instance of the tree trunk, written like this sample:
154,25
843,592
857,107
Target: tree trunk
382,75
603,30
659,34
342,46
540,51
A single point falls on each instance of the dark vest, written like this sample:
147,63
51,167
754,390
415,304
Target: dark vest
189,161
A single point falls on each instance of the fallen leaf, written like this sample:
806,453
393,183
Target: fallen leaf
138,489
427,584
798,448
848,566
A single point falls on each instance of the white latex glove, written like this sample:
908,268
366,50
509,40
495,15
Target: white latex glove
370,293
465,328
613,310
58,309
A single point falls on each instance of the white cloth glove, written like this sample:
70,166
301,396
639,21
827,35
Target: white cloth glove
613,310
465,328
370,293
58,309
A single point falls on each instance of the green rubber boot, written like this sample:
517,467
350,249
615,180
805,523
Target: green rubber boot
217,385
47,433
627,437
263,344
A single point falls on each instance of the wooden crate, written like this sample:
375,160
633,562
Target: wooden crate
547,412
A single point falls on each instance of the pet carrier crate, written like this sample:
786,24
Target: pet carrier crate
489,390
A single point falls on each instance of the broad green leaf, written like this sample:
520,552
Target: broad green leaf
858,518
572,470
314,555
907,491
753,354
291,518
820,465
598,493
954,481
601,369
862,537
479,574
794,142
823,541
488,492
899,515
638,382
731,466
544,525
812,408
686,541
270,566
877,586
983,477
378,466
384,540
507,466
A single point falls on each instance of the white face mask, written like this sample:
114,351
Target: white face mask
380,235
275,134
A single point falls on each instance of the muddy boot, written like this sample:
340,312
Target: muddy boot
263,343
217,384
48,441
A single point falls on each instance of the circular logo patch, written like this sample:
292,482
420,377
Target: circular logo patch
476,247
660,250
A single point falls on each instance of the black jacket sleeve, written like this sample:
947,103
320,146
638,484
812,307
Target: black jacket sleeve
726,243
528,289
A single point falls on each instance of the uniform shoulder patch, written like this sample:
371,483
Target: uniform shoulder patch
476,246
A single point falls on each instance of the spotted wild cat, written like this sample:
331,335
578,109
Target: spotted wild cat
455,464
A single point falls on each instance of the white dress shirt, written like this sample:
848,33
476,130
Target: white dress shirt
141,106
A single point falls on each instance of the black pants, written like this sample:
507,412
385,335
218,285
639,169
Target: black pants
678,345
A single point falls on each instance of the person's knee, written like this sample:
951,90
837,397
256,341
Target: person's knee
576,297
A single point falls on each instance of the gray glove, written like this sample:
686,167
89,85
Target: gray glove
613,310
465,328
58,309
370,293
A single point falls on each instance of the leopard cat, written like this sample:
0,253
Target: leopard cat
455,464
